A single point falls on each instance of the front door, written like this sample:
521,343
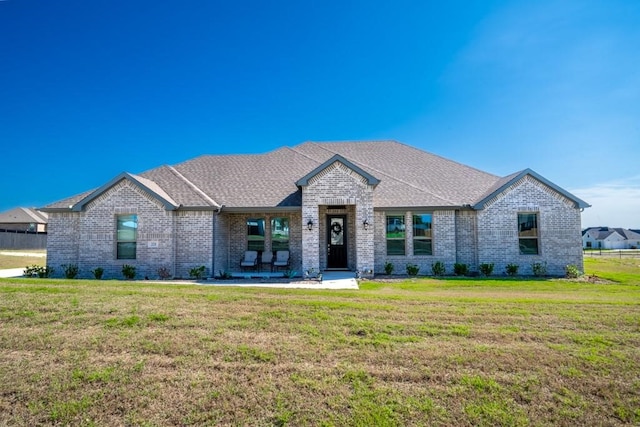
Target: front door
337,241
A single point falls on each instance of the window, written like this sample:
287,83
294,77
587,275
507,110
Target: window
255,234
422,243
528,233
280,234
127,236
395,235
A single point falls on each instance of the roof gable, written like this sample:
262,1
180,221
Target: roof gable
145,184
371,180
508,181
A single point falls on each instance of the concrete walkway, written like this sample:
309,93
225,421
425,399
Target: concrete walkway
11,272
331,280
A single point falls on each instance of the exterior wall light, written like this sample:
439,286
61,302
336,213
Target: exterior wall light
365,224
310,225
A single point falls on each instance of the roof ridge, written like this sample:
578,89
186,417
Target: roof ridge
193,186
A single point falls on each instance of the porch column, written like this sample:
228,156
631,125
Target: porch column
365,238
310,238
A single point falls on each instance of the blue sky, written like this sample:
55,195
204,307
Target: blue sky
89,89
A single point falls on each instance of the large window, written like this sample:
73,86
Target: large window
127,236
255,234
422,242
395,235
280,234
528,233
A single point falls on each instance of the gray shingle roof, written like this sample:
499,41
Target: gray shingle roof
601,233
409,177
23,216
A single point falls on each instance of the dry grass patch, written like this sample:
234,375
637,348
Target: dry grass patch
422,352
21,261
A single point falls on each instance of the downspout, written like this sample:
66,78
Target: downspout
213,241
174,252
456,212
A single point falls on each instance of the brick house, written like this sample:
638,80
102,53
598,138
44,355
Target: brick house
338,205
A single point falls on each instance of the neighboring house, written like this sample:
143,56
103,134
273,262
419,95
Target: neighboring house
24,219
610,238
340,205
23,228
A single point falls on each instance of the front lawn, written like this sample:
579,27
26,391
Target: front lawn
420,352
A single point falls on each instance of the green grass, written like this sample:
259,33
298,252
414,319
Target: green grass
453,351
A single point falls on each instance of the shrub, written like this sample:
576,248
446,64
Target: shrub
197,272
572,271
290,274
164,273
98,272
539,269
412,269
438,268
128,271
460,269
388,268
31,270
70,270
224,275
38,270
512,269
486,268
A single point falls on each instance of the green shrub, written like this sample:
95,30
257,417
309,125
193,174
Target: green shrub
460,269
197,272
539,269
164,273
31,270
486,268
289,274
224,275
572,271
128,271
438,268
98,272
388,268
512,269
70,270
38,270
412,269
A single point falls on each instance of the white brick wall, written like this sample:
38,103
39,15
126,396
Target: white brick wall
338,185
180,240
559,225
231,240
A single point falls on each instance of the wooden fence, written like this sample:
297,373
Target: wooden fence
17,239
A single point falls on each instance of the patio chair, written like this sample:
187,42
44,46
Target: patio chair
282,259
250,260
267,258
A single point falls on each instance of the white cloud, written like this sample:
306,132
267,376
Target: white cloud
614,203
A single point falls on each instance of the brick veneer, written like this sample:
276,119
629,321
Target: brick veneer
559,225
338,185
182,239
